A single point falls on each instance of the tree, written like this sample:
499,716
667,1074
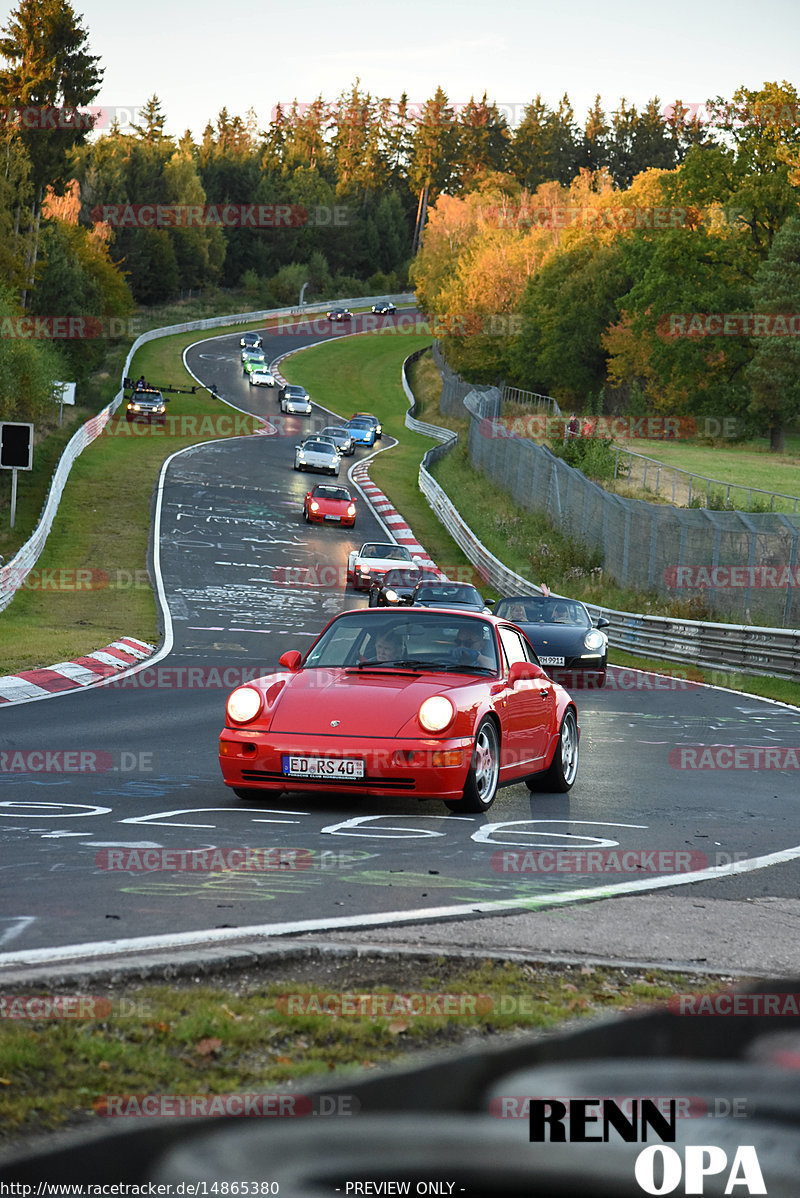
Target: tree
152,124
774,372
483,140
545,146
53,74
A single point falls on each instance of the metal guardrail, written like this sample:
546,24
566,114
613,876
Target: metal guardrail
675,473
773,652
14,573
517,395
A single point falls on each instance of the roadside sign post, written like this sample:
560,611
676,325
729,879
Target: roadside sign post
16,453
64,393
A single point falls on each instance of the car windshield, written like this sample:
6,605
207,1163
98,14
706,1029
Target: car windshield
386,552
335,432
318,447
543,609
401,578
360,422
365,640
332,493
448,593
296,392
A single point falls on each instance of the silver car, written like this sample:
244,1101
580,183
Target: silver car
316,454
340,437
295,399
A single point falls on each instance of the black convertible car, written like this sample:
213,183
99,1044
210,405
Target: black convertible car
563,635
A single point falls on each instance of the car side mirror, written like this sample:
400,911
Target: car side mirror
524,670
602,622
290,660
489,602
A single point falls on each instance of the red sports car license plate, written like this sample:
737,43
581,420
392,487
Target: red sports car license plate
322,767
333,518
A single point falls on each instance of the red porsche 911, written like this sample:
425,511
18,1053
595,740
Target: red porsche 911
426,703
329,504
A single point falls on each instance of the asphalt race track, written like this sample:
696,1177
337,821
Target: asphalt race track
245,579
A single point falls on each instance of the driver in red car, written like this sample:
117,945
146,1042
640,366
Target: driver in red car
470,645
387,645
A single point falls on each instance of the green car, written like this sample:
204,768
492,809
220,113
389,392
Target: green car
256,362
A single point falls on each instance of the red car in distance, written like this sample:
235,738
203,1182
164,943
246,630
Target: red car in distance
328,503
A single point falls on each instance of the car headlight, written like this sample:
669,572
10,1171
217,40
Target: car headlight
392,596
595,641
436,713
244,704
314,505
351,511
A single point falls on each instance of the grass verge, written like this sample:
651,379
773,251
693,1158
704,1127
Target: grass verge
357,372
251,1034
102,527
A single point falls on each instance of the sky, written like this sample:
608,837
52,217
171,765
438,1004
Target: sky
200,57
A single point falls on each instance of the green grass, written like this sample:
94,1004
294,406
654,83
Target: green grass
351,374
363,374
103,525
236,1037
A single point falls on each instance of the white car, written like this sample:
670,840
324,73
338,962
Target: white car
373,560
262,378
316,454
295,399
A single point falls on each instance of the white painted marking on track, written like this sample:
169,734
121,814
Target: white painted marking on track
384,919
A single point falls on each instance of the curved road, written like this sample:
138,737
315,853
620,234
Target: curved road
245,578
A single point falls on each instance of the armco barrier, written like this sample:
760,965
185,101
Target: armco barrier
730,647
13,574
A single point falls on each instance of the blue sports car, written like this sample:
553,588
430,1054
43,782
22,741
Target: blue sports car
362,430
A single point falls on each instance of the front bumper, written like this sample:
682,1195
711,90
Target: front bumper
253,759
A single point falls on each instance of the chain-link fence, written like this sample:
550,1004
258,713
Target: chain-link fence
744,564
455,390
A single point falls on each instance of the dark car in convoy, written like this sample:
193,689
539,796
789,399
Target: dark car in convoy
568,644
397,586
146,403
340,314
384,308
441,593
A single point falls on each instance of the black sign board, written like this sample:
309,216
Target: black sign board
16,446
